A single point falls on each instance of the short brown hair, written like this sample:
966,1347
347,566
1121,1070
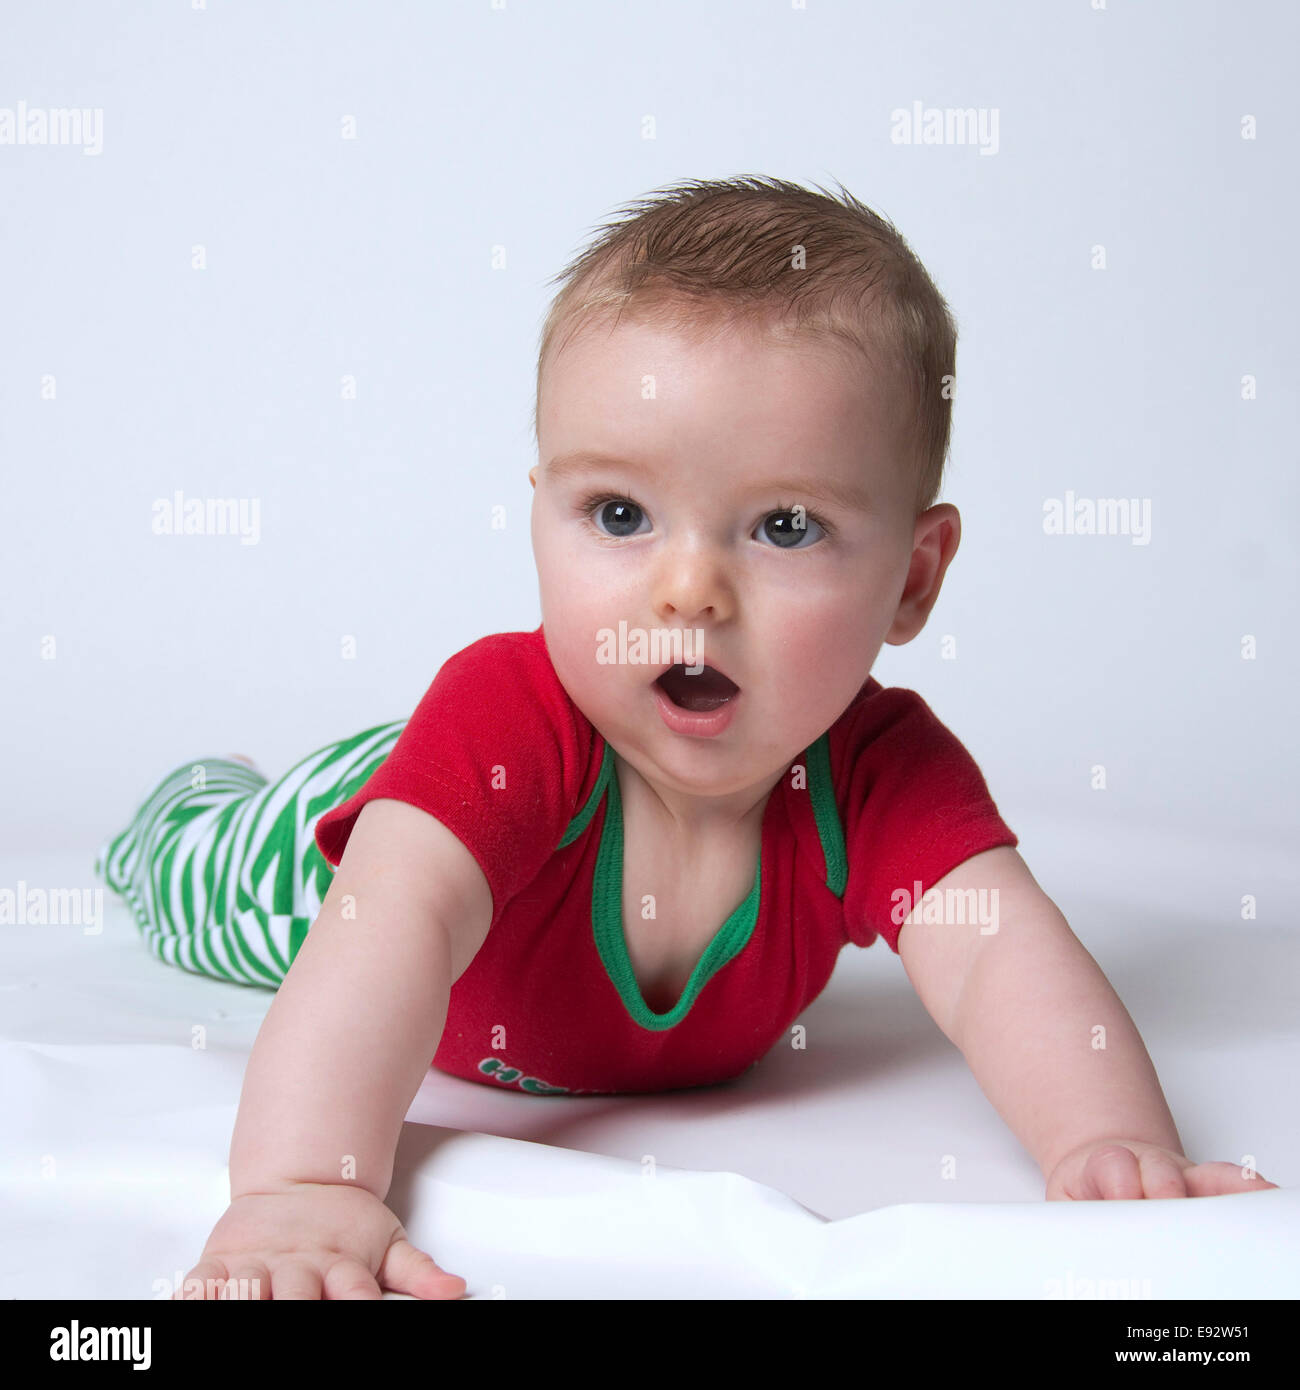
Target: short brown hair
726,250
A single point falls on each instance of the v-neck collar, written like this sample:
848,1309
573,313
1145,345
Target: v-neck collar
733,935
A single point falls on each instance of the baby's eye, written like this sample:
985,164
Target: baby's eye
616,516
790,528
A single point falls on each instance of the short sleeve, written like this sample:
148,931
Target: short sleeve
496,751
914,805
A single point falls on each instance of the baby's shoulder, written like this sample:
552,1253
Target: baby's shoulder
890,721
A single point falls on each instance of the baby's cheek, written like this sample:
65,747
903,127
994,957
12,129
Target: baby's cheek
822,646
820,671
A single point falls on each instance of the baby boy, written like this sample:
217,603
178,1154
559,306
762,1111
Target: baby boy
622,853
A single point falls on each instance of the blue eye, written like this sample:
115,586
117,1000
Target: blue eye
790,527
618,517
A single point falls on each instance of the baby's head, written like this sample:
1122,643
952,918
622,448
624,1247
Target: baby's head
742,417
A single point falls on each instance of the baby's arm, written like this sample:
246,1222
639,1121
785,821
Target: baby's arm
1050,1043
337,1061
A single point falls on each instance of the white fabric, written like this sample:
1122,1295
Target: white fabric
117,1131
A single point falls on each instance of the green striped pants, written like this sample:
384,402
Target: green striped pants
220,867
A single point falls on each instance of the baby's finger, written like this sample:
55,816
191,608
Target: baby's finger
296,1279
1161,1176
349,1278
203,1280
408,1270
249,1280
1111,1173
1219,1179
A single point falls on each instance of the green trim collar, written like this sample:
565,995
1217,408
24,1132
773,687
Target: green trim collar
734,934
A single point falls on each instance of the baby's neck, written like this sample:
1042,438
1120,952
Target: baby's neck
692,820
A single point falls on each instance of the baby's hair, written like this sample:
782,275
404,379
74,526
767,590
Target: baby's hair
705,256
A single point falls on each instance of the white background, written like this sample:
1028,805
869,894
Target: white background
522,127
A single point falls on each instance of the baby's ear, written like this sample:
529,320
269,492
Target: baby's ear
936,538
532,475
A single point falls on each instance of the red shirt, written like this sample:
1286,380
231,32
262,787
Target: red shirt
887,798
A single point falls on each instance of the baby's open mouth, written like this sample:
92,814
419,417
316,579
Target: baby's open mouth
700,693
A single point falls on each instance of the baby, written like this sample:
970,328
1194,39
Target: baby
621,853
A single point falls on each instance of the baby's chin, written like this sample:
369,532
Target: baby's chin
751,749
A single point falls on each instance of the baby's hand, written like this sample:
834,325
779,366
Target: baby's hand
1128,1169
313,1240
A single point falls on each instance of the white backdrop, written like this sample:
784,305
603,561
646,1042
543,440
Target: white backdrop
521,126
275,200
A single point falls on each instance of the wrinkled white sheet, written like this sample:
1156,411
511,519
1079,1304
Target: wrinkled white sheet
117,1128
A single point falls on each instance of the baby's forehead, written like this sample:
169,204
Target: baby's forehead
797,386
760,393
658,360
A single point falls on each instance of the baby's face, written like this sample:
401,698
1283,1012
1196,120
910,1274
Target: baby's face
709,447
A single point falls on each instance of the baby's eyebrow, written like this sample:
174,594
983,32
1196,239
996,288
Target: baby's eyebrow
579,461
851,497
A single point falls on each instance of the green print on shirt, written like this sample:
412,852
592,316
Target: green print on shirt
503,1072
